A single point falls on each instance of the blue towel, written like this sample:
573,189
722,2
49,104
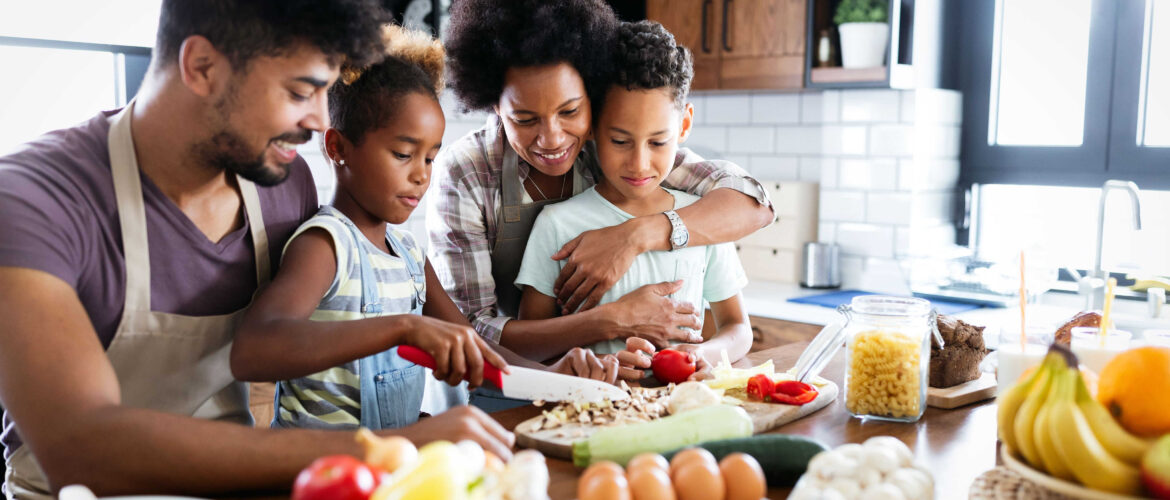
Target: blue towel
834,299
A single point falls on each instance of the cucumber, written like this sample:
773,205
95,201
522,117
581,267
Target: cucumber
620,444
784,457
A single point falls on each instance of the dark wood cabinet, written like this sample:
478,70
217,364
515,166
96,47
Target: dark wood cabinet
739,44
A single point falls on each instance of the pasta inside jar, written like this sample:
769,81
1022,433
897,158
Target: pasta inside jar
884,377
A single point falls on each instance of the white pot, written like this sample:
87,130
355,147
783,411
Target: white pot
863,45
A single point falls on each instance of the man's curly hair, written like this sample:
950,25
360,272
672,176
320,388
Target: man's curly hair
366,99
649,58
486,37
345,30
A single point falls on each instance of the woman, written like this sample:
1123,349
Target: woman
538,65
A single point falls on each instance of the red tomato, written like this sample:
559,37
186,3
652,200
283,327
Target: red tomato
674,366
792,392
335,477
760,386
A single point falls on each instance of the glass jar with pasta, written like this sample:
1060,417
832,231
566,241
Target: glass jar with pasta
887,356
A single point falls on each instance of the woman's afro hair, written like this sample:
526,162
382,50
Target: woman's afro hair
487,37
648,58
365,99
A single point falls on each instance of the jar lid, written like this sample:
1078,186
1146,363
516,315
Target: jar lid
882,305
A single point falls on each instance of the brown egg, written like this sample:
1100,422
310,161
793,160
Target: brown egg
603,486
605,468
698,480
743,476
687,456
650,483
648,460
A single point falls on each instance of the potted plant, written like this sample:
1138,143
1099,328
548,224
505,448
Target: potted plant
864,32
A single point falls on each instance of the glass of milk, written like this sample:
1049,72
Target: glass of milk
1012,360
1157,338
1092,352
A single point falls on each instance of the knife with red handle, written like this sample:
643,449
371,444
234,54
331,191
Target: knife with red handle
528,383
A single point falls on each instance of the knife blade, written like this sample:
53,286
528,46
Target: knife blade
528,383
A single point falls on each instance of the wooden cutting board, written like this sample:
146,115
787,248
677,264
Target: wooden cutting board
765,416
963,394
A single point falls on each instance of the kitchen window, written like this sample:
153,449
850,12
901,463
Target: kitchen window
1066,92
1060,96
66,60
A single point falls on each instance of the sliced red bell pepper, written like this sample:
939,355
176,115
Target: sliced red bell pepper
760,386
792,392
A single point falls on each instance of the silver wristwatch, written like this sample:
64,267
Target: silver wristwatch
679,236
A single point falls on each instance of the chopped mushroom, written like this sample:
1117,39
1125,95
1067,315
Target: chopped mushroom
645,404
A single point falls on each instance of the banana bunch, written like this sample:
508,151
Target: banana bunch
1050,420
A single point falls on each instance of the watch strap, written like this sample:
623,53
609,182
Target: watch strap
676,227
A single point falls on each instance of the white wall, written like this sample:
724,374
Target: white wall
886,160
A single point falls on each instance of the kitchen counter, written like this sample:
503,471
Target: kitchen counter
770,300
956,445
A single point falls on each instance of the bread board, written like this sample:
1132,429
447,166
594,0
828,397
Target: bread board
973,391
765,417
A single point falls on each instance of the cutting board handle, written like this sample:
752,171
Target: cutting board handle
420,357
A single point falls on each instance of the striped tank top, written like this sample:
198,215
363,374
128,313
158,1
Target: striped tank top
331,399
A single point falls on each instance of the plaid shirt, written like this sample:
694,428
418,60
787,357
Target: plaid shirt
461,216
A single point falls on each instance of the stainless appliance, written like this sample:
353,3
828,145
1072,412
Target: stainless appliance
822,265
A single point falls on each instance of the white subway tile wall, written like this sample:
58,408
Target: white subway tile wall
869,106
887,161
774,167
804,139
750,140
820,107
842,206
728,109
775,108
880,174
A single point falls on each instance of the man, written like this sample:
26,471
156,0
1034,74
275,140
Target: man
132,241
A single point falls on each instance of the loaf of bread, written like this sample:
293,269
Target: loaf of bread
959,360
1064,333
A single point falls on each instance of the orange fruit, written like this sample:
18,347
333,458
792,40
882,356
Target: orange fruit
1135,387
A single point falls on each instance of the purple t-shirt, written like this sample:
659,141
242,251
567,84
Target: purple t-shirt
60,216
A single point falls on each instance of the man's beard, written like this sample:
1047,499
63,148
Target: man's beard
227,150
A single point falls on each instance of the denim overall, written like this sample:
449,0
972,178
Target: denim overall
392,388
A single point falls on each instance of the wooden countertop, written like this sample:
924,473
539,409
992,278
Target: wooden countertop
957,445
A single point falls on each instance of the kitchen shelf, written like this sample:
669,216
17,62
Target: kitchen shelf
922,56
901,76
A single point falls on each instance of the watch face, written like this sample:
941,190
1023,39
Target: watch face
680,238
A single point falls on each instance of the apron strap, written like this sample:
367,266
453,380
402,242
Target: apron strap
132,215
131,210
259,232
510,182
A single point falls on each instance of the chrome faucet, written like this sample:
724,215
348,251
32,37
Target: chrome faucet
1093,285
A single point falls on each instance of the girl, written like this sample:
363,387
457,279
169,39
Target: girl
351,287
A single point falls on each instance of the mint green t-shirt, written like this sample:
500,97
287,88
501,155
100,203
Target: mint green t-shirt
710,273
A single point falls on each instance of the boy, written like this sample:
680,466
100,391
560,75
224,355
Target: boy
638,128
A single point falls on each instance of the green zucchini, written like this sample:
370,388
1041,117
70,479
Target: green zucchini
620,444
784,457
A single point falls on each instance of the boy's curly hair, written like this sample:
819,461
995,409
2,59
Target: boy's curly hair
486,37
367,98
345,30
649,58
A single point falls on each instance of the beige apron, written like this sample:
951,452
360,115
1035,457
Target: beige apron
166,362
